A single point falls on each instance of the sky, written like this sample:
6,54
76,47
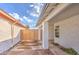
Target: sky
26,13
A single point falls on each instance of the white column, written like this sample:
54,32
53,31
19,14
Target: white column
45,36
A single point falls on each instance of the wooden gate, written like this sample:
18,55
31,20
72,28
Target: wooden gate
29,35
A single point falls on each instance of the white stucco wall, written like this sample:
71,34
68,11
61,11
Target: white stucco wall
69,32
51,30
6,41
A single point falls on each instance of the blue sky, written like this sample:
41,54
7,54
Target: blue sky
27,13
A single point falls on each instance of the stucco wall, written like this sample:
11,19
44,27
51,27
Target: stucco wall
69,32
6,40
16,30
51,30
5,30
7,44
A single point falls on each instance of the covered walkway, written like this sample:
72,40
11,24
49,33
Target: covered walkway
29,38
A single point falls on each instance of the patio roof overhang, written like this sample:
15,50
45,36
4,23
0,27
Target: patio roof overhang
46,11
52,10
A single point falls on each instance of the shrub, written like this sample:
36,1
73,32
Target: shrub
70,51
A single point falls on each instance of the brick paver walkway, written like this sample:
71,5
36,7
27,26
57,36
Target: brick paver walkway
27,49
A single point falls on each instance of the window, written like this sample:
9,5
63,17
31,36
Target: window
57,31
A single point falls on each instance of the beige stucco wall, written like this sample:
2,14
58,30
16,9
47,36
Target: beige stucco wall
5,30
16,30
6,40
69,32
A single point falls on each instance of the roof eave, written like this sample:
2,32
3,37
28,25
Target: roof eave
10,18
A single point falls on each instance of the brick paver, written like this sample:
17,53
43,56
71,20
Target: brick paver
56,50
25,49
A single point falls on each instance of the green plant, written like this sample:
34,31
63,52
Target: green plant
70,51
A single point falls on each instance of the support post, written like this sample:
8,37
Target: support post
45,36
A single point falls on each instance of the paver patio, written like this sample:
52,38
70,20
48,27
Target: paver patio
25,49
